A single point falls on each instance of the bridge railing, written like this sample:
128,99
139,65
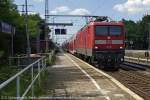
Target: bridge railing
41,65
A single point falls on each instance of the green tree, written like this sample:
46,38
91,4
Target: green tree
137,32
10,15
7,14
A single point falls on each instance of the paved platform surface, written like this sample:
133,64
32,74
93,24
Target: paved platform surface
72,79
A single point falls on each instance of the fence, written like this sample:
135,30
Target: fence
19,60
41,65
138,60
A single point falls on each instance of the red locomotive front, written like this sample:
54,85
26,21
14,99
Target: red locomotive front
109,43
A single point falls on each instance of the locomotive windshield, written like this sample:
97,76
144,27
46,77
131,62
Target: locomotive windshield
115,30
108,30
101,30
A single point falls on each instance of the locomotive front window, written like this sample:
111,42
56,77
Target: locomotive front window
101,30
115,30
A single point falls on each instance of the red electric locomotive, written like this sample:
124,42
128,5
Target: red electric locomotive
100,42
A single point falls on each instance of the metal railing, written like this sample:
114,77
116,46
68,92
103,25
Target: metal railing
41,65
16,61
138,60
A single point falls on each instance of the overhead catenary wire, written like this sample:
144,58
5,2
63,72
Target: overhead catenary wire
81,16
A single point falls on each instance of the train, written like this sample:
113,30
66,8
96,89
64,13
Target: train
100,42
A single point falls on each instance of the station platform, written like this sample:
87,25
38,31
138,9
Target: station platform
72,79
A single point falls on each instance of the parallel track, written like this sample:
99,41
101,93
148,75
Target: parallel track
133,66
135,79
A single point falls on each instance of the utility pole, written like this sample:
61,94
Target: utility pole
53,29
24,13
46,21
23,9
12,41
26,28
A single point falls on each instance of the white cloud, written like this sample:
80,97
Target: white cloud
80,11
32,13
65,9
54,12
42,16
38,0
133,6
60,9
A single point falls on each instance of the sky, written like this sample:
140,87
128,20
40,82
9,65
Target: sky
115,9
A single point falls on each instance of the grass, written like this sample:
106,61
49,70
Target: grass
10,91
48,62
1,53
5,73
136,55
25,80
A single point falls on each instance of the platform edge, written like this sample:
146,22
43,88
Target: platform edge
124,88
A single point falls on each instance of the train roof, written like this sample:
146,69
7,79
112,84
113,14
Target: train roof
106,23
94,23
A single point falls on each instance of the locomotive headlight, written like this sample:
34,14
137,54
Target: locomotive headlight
96,47
121,47
122,59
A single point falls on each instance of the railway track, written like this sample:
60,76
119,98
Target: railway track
133,66
135,78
